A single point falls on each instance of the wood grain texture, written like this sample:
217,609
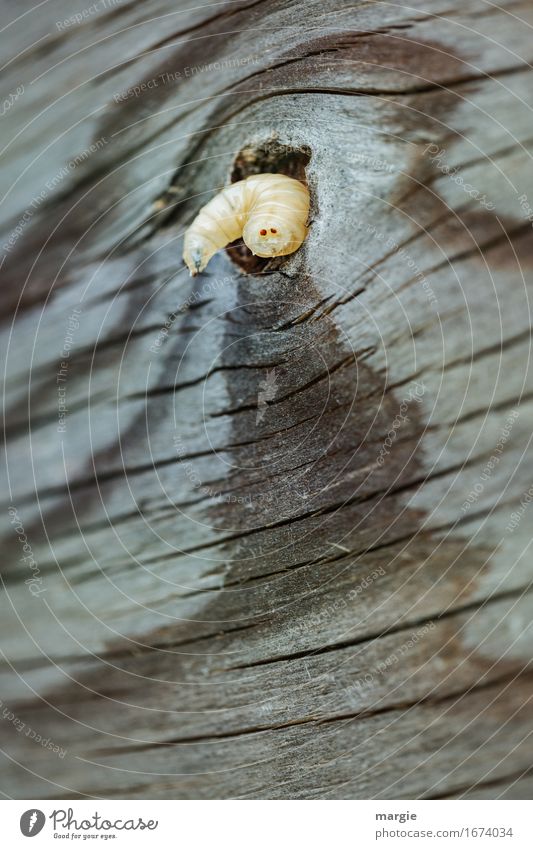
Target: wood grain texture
281,534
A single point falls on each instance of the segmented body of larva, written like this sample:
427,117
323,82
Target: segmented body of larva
269,212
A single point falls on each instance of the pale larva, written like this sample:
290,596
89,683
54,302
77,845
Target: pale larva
269,212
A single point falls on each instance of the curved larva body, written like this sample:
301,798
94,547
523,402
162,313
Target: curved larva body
269,212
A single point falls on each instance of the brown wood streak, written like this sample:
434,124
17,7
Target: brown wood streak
305,622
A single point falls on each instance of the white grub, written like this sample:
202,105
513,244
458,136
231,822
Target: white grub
268,211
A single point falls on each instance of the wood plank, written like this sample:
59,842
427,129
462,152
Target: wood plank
222,600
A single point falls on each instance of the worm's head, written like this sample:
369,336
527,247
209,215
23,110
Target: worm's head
197,251
268,236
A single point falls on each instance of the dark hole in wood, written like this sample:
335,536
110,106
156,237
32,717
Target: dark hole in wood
272,157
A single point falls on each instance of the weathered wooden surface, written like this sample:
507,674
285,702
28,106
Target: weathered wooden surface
240,589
